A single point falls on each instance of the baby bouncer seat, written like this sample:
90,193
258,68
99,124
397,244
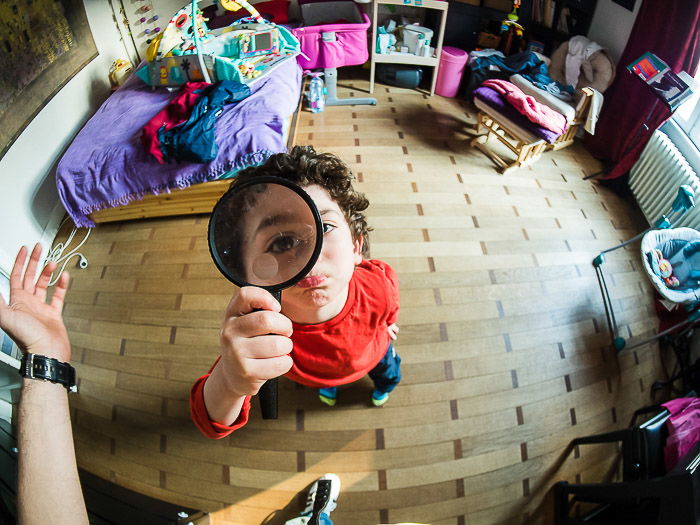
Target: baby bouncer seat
671,260
333,35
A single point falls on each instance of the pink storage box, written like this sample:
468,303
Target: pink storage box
341,17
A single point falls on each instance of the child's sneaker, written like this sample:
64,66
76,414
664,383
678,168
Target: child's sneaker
328,395
379,398
322,498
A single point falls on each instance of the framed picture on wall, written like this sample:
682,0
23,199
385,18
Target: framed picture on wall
44,44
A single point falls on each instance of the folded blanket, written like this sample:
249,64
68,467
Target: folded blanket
534,111
593,111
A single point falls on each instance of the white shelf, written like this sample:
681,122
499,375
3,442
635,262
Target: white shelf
429,4
408,58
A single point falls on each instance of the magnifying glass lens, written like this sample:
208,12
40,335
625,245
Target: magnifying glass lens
265,234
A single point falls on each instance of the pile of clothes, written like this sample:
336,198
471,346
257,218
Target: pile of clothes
492,64
526,105
185,130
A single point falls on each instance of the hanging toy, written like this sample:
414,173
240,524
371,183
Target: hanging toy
148,20
512,21
513,15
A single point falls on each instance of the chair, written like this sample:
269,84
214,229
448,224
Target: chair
528,141
647,493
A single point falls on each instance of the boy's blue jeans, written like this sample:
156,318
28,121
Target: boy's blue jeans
386,375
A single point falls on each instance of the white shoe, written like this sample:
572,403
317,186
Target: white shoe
322,497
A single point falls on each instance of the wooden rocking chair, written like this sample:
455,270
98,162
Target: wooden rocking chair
523,138
526,146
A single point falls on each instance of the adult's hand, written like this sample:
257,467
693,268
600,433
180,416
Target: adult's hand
35,325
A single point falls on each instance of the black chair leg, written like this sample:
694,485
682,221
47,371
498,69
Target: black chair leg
561,503
607,437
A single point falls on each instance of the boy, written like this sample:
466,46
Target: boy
332,328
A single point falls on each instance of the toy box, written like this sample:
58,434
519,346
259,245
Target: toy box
488,40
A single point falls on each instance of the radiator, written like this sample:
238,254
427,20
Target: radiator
656,177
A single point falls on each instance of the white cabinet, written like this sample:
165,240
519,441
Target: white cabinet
406,58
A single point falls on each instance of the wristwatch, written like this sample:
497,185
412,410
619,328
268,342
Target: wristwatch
36,366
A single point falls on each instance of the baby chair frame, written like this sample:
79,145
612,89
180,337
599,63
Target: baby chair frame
682,203
330,75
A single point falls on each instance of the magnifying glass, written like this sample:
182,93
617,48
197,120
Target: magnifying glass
265,232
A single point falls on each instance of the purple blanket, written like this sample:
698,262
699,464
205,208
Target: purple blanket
107,166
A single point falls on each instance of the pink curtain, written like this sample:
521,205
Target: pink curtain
670,30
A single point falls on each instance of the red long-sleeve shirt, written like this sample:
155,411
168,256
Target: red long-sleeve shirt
336,352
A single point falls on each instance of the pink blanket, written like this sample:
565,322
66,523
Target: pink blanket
535,112
683,428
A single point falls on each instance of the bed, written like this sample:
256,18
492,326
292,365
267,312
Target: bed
107,175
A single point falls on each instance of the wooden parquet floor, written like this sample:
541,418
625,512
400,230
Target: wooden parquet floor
503,339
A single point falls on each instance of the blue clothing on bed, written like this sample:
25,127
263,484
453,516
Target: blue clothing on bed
195,139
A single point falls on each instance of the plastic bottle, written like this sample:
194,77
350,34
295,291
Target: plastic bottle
316,95
420,45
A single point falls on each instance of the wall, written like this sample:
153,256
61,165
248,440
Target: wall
30,210
611,26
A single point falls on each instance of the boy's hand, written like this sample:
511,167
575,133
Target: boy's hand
255,341
37,327
393,331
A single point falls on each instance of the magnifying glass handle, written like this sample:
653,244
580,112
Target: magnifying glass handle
268,392
268,399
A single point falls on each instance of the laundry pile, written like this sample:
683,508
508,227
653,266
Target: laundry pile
185,130
526,105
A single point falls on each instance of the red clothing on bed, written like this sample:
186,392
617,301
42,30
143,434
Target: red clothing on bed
336,352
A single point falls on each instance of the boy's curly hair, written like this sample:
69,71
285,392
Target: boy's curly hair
304,166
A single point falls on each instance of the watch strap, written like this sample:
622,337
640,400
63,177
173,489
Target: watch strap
36,366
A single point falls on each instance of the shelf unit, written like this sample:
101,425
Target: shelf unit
415,60
578,18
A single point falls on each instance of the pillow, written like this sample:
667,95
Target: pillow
276,11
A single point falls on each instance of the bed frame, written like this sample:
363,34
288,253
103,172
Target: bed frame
196,199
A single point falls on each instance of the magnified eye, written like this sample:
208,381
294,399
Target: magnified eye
284,243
